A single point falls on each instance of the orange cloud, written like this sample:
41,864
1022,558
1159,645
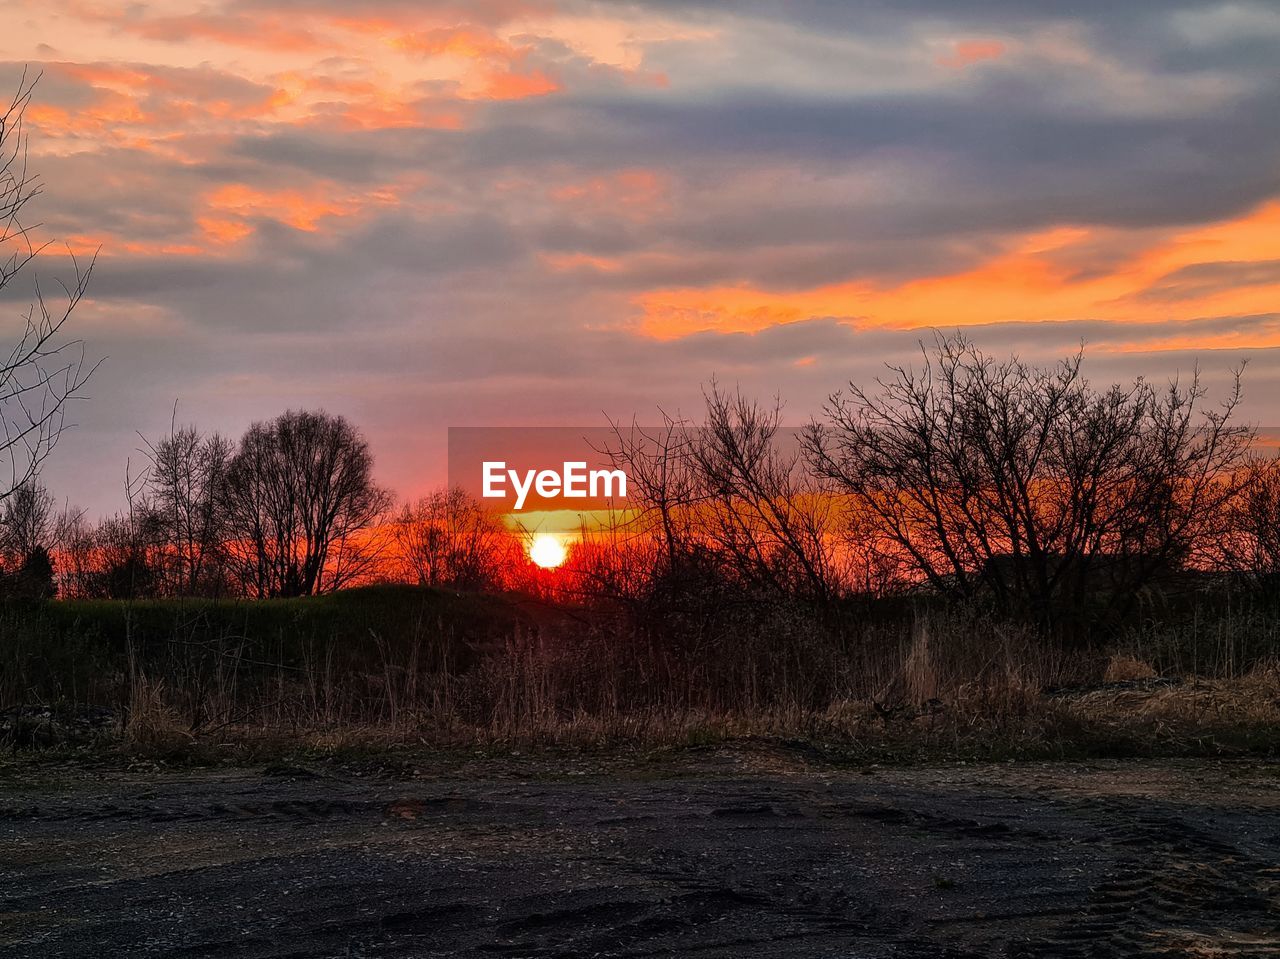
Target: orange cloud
504,73
517,86
222,231
391,114
258,31
230,209
469,42
967,52
139,107
267,33
575,262
1034,280
361,104
83,247
292,207
636,193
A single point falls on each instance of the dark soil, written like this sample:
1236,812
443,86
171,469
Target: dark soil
720,854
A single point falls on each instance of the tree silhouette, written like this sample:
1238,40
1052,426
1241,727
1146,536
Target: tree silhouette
1026,485
300,502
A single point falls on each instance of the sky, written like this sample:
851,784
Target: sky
514,212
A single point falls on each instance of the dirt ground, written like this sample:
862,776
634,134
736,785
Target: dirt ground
723,853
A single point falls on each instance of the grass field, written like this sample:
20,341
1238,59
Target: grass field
388,668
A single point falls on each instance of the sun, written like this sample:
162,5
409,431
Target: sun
547,551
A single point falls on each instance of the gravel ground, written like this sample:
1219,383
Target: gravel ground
727,853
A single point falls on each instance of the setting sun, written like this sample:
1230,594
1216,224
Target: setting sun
547,551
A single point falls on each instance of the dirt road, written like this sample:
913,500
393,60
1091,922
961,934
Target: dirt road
728,854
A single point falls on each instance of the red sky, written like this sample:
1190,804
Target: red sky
425,215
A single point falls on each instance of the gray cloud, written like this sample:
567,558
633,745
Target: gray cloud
1202,278
804,143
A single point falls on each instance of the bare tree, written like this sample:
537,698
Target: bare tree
42,370
126,547
124,560
759,506
731,497
622,557
1026,484
448,539
28,535
78,560
302,505
662,483
1249,542
185,486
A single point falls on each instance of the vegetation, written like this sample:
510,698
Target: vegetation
1029,486
932,561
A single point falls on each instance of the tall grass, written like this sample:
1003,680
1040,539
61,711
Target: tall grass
399,664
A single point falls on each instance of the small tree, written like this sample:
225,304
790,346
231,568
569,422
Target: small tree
302,506
186,493
78,557
1249,543
27,522
34,578
448,539
124,549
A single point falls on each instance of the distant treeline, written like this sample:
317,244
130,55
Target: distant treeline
996,484
1018,488
291,509
931,558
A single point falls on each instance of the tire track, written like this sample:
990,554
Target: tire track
1177,891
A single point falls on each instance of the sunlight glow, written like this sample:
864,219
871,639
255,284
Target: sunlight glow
547,551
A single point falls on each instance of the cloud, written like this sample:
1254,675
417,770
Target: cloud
1197,279
968,52
427,214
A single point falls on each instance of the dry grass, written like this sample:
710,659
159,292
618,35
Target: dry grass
926,685
1122,667
153,724
1005,715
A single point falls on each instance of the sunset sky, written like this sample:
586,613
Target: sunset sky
425,215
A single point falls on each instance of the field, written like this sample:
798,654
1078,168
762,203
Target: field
411,772
386,668
721,851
